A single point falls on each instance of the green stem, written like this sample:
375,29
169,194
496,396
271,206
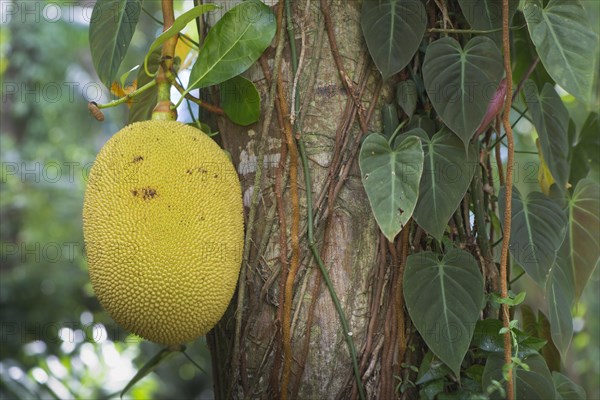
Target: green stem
183,35
326,278
129,96
521,115
516,278
391,140
309,207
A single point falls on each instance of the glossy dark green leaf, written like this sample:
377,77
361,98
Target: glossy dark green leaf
240,100
524,54
422,122
431,369
112,26
447,173
461,82
234,44
444,296
393,30
486,15
585,155
406,96
567,45
391,179
538,229
560,295
389,117
535,384
487,337
178,25
581,248
549,351
551,120
566,388
143,104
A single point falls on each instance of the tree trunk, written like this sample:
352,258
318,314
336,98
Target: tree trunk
363,267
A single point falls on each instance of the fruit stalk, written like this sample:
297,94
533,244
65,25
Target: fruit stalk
164,109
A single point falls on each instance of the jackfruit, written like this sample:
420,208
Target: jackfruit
163,228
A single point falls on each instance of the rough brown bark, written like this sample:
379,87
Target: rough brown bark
362,274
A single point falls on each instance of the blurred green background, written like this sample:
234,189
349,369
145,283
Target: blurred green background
55,340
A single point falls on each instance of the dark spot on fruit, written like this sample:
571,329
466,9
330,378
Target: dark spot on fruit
146,193
216,176
137,159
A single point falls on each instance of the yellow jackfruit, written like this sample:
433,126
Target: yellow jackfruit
163,228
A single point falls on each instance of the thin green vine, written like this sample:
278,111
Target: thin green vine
310,230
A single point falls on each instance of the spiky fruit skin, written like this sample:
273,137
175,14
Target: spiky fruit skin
163,227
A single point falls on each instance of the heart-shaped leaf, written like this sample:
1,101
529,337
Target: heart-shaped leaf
389,117
406,96
567,45
560,295
487,15
581,248
566,388
233,44
444,297
391,179
538,230
462,82
533,384
447,173
551,120
111,28
240,100
393,30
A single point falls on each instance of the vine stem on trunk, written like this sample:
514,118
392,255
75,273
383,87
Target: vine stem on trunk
508,196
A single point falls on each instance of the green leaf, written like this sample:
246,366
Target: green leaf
143,104
150,366
585,156
538,230
567,45
487,337
581,248
178,25
461,82
487,15
112,26
447,173
406,96
531,385
431,369
551,120
566,388
393,30
233,44
549,351
422,122
240,100
560,295
389,116
523,53
391,179
444,297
